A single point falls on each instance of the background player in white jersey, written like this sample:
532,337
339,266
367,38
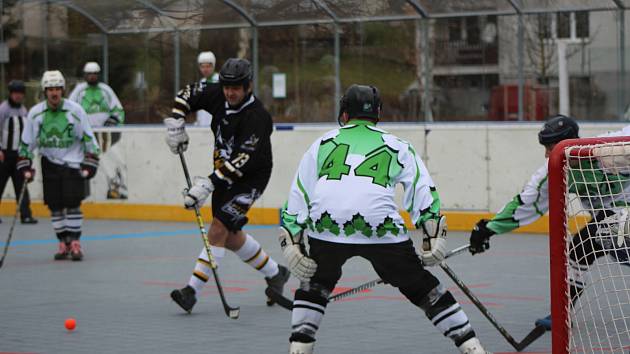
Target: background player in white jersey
103,108
342,197
207,62
60,130
242,167
533,202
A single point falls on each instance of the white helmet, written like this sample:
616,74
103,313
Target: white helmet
53,78
206,58
91,67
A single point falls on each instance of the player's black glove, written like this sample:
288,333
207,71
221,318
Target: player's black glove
112,121
89,166
25,166
480,237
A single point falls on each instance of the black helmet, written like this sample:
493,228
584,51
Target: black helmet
236,72
17,86
361,101
558,128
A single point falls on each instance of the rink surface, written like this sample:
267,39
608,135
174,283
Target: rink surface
119,296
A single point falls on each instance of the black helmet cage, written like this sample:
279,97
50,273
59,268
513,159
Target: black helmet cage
353,104
558,128
17,86
236,72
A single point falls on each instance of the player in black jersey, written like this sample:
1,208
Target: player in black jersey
242,166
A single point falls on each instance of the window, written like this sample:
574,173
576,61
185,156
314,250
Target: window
564,25
582,27
454,29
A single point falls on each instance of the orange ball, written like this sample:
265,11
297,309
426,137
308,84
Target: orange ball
70,324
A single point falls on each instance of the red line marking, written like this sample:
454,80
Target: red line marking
544,352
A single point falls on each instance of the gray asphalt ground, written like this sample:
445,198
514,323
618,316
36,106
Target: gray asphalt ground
119,296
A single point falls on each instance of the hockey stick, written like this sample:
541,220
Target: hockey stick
519,346
288,304
17,212
231,312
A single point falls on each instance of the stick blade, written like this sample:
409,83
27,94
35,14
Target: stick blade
279,299
233,312
531,337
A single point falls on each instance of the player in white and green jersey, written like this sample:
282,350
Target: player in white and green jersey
342,199
103,108
60,131
97,99
533,202
207,62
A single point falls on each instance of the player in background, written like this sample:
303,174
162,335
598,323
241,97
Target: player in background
533,202
342,197
103,109
61,132
207,62
12,116
242,167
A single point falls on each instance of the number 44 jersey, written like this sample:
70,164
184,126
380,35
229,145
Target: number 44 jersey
345,186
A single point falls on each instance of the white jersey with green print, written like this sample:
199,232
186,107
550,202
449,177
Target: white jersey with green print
345,184
99,102
588,180
63,135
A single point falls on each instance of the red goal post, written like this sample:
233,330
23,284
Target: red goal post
613,156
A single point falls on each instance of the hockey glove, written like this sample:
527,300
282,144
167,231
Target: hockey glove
112,121
480,237
25,166
197,194
89,166
176,138
434,242
301,266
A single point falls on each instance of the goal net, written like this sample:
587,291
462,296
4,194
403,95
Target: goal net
589,196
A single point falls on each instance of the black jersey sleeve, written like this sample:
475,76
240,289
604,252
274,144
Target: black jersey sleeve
252,150
197,96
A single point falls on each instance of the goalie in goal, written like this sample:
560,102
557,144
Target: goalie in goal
533,202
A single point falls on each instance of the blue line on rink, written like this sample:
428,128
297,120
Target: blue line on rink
150,234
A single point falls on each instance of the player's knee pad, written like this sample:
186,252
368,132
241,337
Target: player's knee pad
56,213
309,307
422,292
74,211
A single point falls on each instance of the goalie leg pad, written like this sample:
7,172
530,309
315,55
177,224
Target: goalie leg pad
586,245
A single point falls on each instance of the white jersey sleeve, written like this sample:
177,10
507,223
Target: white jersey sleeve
421,198
526,207
295,215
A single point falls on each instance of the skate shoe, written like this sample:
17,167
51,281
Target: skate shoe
63,252
276,283
75,250
29,220
472,346
185,298
545,322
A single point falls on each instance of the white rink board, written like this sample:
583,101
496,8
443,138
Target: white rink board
476,166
